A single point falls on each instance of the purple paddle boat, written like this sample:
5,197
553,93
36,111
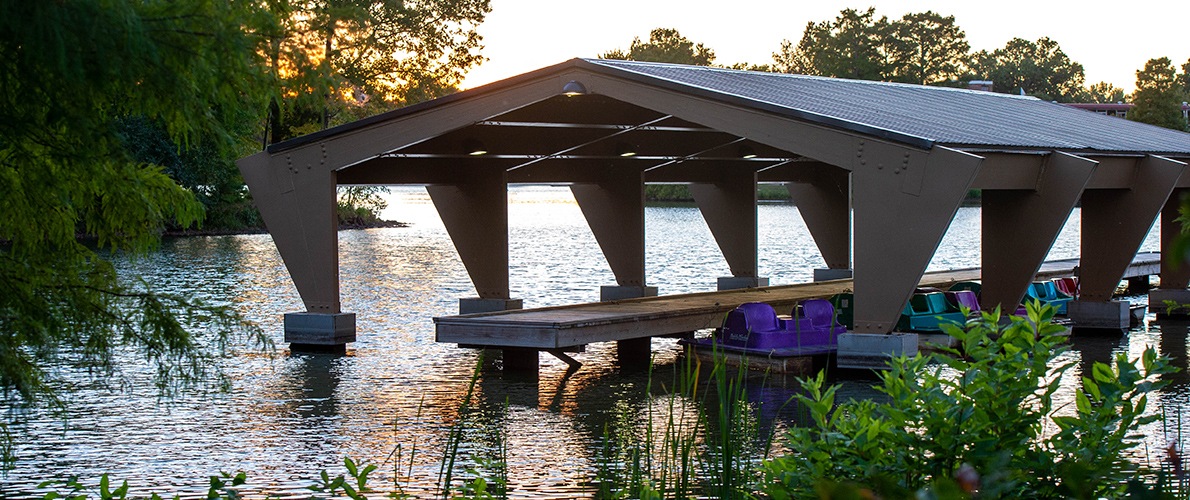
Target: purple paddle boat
754,328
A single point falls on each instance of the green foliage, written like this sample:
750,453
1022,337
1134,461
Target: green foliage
667,46
335,61
681,192
353,486
1158,97
222,486
854,45
70,74
360,206
208,173
975,419
1039,69
1103,92
705,440
928,48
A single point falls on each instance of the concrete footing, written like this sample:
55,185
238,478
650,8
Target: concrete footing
1170,302
520,360
832,274
476,305
932,341
1097,315
1138,285
873,350
612,292
319,331
737,282
634,354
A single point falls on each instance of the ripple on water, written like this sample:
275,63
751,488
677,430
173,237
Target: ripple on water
291,415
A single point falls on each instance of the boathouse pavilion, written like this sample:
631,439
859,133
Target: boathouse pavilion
877,170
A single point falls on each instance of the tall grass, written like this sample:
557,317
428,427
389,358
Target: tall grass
700,437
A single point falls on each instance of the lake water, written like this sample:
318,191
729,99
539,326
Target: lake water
288,416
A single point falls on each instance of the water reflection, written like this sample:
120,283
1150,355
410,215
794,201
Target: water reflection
288,416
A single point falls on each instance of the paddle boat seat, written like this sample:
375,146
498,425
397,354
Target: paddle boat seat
1068,286
755,326
926,312
964,298
1047,293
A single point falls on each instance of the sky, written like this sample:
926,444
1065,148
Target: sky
1110,39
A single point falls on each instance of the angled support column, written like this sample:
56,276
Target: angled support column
1116,221
1175,269
824,201
1114,224
475,213
729,207
904,201
615,210
1021,225
295,193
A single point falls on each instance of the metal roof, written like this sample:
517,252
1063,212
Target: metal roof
916,115
948,116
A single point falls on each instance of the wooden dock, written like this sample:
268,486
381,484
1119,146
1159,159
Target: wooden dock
562,327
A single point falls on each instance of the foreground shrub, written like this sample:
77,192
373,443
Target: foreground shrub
975,421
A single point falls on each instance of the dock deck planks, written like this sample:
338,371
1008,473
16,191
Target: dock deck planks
574,325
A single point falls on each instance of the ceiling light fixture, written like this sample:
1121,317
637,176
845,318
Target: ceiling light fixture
574,88
624,150
474,148
747,152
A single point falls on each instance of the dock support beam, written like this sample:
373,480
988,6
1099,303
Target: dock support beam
615,209
296,198
904,201
729,207
475,213
1020,226
1114,224
823,198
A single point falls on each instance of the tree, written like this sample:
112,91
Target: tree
667,46
1158,100
1184,81
70,73
853,45
339,60
1104,92
928,48
1038,69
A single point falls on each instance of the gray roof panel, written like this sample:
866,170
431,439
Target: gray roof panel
913,113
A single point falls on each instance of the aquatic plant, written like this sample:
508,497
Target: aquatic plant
701,439
975,419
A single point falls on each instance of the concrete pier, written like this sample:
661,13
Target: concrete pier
832,274
319,331
737,282
1099,315
872,351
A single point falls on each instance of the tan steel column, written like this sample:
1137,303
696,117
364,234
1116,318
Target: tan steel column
475,213
615,210
1115,222
904,201
729,207
296,198
824,202
1175,269
1020,226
